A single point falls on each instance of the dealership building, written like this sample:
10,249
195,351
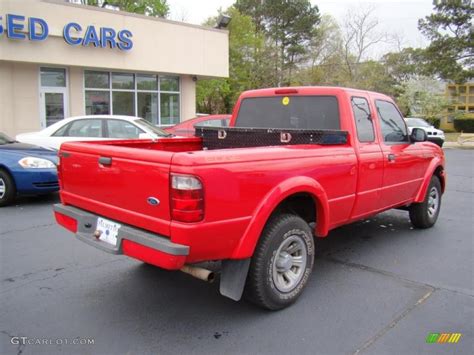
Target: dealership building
59,59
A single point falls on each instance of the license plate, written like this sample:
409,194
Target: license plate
108,230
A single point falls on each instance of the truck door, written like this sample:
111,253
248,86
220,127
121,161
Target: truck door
402,160
369,182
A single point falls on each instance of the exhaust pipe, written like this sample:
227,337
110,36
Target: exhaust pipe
199,273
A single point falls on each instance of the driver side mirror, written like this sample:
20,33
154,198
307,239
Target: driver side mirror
418,135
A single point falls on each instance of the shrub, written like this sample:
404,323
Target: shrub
465,125
434,121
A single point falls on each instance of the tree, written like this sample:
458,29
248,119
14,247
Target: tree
156,8
423,97
405,64
291,26
288,27
450,54
360,34
248,68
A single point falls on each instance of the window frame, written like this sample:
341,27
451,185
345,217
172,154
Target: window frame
135,92
382,138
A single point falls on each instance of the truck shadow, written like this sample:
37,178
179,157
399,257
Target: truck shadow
163,287
184,310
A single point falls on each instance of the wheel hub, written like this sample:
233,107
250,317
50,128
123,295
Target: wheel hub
284,262
433,202
289,263
2,188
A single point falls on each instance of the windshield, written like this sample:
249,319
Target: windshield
154,129
417,122
4,139
300,112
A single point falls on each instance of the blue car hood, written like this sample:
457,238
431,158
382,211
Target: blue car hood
24,150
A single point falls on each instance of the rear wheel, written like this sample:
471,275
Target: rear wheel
7,189
425,214
282,263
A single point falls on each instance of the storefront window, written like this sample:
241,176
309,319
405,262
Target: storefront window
168,83
122,81
96,80
53,77
169,108
97,102
123,103
147,106
147,82
152,97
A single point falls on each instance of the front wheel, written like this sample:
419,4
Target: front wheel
7,189
425,214
282,263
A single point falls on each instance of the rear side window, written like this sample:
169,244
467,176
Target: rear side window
62,131
363,119
85,128
392,124
301,112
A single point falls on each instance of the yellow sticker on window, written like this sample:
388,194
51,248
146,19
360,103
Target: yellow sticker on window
285,101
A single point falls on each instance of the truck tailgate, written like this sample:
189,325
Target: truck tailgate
124,184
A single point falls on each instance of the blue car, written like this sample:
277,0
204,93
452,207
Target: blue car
25,170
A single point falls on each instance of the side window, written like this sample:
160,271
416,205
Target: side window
364,124
213,123
62,131
85,128
391,122
122,129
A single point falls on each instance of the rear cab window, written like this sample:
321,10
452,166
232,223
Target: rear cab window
298,112
363,119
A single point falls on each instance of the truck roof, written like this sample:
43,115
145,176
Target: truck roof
307,90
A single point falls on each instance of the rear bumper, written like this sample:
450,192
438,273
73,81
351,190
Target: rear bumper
136,243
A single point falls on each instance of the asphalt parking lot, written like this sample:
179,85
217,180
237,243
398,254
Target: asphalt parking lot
378,287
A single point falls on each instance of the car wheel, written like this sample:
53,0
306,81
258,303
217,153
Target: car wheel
7,189
425,214
282,263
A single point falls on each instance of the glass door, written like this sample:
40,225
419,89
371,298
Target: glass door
53,96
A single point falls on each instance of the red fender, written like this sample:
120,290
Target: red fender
300,184
434,164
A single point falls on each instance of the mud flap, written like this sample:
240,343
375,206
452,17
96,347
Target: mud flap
233,276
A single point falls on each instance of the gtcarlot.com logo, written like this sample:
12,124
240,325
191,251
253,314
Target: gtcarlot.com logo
443,338
51,341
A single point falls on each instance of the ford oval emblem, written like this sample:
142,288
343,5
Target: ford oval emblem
153,201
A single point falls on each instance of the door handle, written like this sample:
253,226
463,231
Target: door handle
391,157
105,161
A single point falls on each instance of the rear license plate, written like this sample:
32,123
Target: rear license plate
108,230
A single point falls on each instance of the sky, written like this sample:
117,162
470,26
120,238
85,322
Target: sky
396,17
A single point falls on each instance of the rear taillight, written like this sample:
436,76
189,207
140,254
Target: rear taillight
187,198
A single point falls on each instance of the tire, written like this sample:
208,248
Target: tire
285,248
424,214
7,189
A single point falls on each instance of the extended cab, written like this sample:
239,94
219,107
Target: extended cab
294,164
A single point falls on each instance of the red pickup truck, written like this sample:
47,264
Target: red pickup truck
294,164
